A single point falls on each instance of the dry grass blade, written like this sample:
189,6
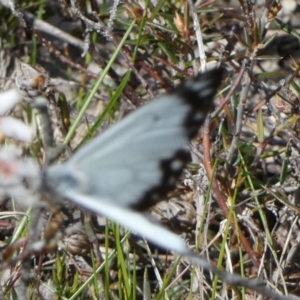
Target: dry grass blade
237,203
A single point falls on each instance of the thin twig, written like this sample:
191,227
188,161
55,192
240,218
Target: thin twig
240,115
200,44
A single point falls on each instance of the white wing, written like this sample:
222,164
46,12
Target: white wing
139,159
134,221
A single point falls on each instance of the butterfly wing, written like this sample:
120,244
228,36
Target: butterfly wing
139,159
133,221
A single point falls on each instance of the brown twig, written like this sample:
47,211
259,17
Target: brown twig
219,197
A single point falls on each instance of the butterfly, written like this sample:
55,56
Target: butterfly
132,165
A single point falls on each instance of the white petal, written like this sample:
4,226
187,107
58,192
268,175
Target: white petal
8,100
16,129
13,170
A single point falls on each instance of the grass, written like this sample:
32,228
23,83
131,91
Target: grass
238,205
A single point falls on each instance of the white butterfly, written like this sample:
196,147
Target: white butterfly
137,161
128,168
